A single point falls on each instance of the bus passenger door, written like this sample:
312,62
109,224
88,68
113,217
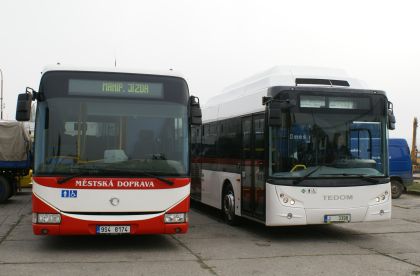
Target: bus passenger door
259,166
247,165
253,166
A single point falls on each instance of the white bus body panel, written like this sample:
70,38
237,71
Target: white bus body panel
313,203
212,185
98,200
238,107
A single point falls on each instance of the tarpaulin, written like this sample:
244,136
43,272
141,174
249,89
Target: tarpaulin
14,141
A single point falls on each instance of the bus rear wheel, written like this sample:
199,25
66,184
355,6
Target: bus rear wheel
228,207
396,188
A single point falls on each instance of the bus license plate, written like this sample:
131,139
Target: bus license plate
113,229
337,218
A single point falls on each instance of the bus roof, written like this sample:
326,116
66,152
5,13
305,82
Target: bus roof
246,96
283,76
168,72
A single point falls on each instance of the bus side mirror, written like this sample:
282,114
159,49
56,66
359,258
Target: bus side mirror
274,116
23,108
391,120
275,107
195,111
391,116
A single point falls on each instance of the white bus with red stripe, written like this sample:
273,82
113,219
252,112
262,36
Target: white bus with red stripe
111,151
295,146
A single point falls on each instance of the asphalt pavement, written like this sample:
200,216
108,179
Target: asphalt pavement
214,248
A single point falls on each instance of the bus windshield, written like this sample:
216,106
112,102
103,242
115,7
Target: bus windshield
317,142
111,135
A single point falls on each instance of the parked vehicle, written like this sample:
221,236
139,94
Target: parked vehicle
112,151
15,158
400,166
274,148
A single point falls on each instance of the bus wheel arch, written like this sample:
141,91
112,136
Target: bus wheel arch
229,204
397,187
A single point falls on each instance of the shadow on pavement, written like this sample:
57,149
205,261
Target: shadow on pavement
109,243
281,233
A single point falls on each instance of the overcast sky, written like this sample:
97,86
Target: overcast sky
216,43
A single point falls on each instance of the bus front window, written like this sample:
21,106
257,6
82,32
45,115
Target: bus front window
335,144
100,134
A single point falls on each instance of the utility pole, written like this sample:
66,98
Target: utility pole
414,159
1,99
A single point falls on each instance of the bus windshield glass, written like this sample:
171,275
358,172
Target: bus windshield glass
329,137
111,135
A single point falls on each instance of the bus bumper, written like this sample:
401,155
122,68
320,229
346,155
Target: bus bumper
370,207
302,216
69,225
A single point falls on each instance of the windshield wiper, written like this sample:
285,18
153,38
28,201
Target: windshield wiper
169,182
297,181
67,178
361,176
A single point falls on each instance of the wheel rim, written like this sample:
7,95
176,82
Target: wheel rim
395,188
229,205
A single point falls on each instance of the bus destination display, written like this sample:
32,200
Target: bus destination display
115,88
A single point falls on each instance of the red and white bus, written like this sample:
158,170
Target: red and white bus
111,151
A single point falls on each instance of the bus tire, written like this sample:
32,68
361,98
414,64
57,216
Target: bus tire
397,188
5,189
228,206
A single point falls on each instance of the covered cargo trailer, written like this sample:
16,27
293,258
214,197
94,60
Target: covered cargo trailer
15,157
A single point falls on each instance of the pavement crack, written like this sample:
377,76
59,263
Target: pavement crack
1,223
392,257
380,253
11,229
199,259
411,220
385,233
88,262
291,256
402,207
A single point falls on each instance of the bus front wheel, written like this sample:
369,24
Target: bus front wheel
396,188
228,207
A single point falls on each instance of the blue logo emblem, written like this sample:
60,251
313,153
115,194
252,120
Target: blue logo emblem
69,193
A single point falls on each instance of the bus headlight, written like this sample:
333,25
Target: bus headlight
382,197
176,218
46,218
288,201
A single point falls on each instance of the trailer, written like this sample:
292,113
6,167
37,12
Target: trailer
15,157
